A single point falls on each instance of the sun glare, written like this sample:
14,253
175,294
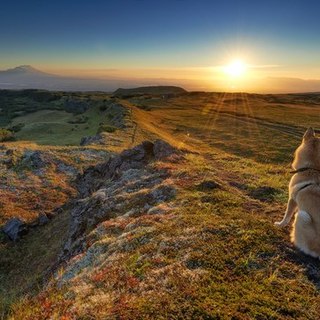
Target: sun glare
236,68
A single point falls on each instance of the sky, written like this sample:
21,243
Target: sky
278,42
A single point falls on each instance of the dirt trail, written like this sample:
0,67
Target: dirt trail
148,126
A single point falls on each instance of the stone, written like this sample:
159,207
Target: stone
163,150
43,219
15,228
34,159
89,140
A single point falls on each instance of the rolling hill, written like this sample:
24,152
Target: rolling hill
152,90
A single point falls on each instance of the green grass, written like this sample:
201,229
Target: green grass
41,116
50,127
24,265
58,127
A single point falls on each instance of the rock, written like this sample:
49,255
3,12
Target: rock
163,150
15,228
163,193
134,158
43,219
118,113
159,209
34,159
88,140
138,153
125,185
67,169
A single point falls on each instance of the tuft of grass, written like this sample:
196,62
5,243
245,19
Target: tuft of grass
6,135
106,128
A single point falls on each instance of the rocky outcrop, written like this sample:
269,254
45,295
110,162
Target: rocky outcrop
135,158
126,185
14,229
89,140
163,150
43,219
116,112
34,160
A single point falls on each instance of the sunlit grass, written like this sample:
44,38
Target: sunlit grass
216,255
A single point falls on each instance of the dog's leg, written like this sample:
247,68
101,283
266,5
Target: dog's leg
304,235
291,207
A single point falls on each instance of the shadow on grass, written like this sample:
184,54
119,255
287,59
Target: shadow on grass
310,265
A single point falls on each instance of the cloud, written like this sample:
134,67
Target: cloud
263,66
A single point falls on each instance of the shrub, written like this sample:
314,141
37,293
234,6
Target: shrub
106,128
17,127
6,135
79,119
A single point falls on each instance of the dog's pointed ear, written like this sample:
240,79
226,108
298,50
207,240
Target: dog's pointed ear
309,134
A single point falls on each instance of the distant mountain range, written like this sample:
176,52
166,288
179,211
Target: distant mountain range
22,70
28,77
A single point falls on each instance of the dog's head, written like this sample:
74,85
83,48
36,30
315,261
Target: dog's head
307,154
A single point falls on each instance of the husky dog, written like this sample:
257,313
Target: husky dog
304,196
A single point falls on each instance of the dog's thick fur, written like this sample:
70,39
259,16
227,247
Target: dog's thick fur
304,196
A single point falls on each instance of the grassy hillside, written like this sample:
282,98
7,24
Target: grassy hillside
213,251
56,118
262,127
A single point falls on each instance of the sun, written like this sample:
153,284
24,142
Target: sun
235,69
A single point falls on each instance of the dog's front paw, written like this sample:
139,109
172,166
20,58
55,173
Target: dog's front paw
280,224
